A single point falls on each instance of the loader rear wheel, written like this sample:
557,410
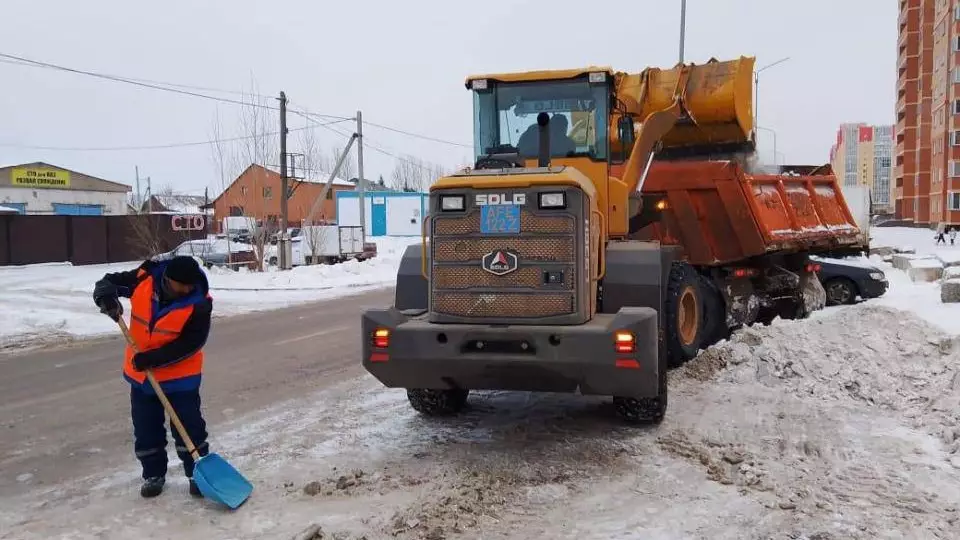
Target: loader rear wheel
684,318
431,402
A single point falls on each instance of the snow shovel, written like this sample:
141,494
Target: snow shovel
216,478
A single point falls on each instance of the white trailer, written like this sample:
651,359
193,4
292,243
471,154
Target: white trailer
326,244
858,200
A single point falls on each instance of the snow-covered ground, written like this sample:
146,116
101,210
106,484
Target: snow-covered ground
840,426
52,302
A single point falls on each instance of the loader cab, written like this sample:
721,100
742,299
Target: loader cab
506,110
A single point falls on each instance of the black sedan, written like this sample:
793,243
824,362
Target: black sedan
844,280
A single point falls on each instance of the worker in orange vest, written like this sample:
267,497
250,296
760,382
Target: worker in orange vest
169,322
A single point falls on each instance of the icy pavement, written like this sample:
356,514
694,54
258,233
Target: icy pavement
838,427
52,302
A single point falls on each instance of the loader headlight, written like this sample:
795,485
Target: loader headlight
553,200
451,203
879,276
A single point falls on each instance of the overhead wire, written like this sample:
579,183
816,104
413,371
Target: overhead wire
187,90
160,146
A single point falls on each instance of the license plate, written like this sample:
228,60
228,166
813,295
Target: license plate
500,219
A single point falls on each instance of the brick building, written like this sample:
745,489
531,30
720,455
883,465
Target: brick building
926,187
256,194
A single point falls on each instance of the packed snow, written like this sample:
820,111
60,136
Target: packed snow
45,303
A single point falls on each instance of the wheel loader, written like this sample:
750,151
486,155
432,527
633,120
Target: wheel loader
612,226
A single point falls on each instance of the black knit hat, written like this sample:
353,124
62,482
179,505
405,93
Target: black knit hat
184,270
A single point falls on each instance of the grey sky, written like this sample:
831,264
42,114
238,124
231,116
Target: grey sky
403,64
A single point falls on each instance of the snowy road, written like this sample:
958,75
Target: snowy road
64,411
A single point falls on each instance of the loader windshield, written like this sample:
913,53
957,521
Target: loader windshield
505,115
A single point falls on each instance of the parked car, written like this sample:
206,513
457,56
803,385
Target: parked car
215,252
844,280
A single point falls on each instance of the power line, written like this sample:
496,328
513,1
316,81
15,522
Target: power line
418,136
158,146
153,85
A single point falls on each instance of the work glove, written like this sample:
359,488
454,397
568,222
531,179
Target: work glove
143,361
105,297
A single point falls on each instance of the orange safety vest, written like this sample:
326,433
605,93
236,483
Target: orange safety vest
167,323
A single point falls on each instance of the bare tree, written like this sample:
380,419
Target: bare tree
413,174
255,122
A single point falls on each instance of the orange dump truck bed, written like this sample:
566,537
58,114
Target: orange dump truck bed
720,214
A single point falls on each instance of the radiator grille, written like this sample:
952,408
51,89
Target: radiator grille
545,247
498,305
468,225
560,250
466,277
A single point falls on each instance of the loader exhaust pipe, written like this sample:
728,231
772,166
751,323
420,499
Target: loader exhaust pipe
543,156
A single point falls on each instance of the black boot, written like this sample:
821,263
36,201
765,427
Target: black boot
194,490
152,487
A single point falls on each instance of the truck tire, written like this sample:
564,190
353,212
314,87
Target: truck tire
715,311
431,402
644,411
683,314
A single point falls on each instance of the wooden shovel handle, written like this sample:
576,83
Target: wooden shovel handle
163,397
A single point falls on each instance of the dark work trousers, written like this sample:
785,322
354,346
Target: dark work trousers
150,434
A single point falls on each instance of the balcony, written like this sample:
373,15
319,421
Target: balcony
902,20
901,105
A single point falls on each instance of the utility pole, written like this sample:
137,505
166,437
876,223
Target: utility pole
284,189
361,184
683,26
139,200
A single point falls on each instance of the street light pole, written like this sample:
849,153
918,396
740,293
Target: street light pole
756,84
683,26
774,142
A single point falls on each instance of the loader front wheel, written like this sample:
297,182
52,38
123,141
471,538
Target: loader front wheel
431,402
684,318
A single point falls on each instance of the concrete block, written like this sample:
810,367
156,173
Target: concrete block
924,270
951,272
950,291
902,261
907,250
882,251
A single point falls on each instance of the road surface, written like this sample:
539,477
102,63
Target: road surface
64,411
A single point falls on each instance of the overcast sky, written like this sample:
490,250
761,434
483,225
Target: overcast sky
403,64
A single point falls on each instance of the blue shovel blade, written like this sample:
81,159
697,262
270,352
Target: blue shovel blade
219,481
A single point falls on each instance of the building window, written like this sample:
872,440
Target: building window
236,211
956,106
956,12
329,195
956,75
268,192
243,190
955,138
954,168
954,201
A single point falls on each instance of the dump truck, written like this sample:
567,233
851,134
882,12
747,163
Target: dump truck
612,226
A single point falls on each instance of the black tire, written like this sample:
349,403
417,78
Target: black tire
430,402
683,314
840,291
644,411
715,312
273,261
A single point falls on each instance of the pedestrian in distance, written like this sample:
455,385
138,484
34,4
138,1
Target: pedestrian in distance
169,323
953,235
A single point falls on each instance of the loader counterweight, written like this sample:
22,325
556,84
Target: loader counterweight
581,358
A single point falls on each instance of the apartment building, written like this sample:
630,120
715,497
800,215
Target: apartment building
863,155
926,185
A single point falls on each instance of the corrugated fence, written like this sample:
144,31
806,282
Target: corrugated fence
88,239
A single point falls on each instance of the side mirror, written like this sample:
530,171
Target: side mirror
625,131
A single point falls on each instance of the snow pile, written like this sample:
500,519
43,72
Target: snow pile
849,420
46,303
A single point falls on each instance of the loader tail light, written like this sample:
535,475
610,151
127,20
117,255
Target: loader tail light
381,338
744,272
624,342
813,267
